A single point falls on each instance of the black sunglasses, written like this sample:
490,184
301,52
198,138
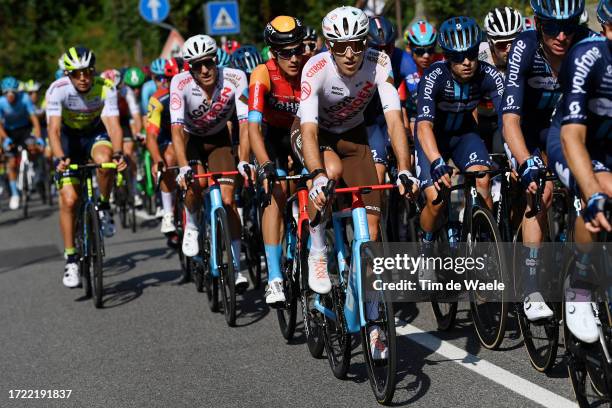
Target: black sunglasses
287,53
420,51
553,28
78,72
311,46
208,63
459,57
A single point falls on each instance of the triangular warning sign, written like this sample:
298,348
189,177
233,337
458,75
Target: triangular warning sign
224,21
173,45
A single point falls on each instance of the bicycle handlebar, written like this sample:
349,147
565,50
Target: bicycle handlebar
109,165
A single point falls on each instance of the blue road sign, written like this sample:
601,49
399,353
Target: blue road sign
222,17
154,11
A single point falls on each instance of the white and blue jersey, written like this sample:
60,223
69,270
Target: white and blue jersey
16,115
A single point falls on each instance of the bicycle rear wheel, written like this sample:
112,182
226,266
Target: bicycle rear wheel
335,333
381,372
225,263
489,310
95,241
287,315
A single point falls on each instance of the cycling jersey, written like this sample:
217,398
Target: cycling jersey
158,116
147,90
128,106
337,102
82,111
409,87
273,97
16,115
449,104
190,107
531,89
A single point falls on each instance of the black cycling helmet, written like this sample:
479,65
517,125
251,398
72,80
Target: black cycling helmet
284,30
311,34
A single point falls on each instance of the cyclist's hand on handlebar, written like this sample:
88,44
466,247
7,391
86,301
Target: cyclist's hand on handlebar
593,214
62,164
7,143
246,169
441,173
316,194
119,160
185,173
408,184
265,174
155,168
530,171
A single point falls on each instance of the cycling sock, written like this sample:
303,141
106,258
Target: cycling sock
428,237
167,201
372,310
273,255
236,250
317,238
191,219
581,278
134,184
530,268
13,187
70,255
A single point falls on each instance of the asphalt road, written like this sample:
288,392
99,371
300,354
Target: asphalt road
156,343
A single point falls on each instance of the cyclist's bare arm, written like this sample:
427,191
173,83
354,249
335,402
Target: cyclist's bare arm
244,148
427,140
397,134
136,123
35,126
573,138
257,143
115,133
3,133
513,136
53,130
179,140
310,146
153,147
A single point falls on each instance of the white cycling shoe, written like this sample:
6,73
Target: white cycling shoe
137,200
71,278
190,241
535,308
318,277
579,315
167,223
275,296
378,343
241,282
14,202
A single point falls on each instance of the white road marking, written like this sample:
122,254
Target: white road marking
488,370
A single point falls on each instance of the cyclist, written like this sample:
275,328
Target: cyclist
329,136
381,36
274,94
83,125
246,58
223,58
311,41
202,101
230,46
530,95
266,53
502,25
420,41
159,144
445,126
19,126
586,123
157,68
32,88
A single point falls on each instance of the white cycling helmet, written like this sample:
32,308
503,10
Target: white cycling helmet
503,23
345,23
198,47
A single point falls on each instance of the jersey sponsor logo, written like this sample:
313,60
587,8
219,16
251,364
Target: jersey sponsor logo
413,78
499,80
336,90
316,68
184,82
514,63
175,101
430,81
349,107
583,67
306,90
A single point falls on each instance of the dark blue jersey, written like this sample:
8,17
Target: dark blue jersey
449,104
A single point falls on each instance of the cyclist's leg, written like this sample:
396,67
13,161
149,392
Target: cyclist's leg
101,151
469,153
430,214
377,137
130,151
168,181
19,137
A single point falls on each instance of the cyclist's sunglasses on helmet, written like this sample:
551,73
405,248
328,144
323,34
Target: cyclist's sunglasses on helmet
552,28
310,46
341,47
420,51
287,53
78,72
459,57
209,63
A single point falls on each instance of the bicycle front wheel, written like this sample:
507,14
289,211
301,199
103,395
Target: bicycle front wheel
225,263
95,242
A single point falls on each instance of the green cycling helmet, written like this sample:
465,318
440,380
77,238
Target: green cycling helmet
266,53
134,77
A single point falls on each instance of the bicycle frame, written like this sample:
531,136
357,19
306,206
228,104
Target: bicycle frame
355,316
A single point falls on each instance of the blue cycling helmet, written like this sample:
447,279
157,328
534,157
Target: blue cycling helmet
381,32
459,34
246,58
558,9
604,11
223,58
10,84
421,34
158,66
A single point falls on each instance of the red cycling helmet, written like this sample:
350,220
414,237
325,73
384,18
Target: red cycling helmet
231,46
